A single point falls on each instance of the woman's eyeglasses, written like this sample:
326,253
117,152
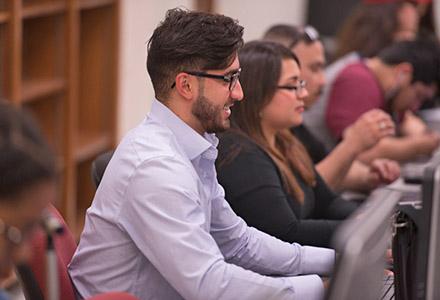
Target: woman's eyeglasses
298,88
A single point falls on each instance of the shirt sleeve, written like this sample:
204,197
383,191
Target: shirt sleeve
166,221
260,252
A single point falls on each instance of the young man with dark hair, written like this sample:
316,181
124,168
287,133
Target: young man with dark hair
397,80
339,167
159,226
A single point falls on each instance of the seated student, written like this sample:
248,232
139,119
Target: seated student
268,177
339,168
27,184
372,26
401,77
159,226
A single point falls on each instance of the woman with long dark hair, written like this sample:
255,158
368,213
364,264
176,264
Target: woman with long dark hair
269,179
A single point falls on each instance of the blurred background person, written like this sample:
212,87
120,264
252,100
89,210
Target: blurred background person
372,26
268,177
27,185
397,80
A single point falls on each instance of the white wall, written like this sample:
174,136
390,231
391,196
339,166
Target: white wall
258,15
138,20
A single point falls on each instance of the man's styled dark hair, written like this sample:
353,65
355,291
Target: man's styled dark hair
188,40
423,55
25,157
290,35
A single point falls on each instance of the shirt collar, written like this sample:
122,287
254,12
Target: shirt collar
190,140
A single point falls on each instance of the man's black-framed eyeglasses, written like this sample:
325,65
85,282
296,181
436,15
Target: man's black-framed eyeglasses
231,78
298,88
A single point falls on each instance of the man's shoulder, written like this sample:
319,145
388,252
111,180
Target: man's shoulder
355,70
151,150
150,140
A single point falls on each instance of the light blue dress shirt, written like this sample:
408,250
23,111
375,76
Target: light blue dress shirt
160,228
4,295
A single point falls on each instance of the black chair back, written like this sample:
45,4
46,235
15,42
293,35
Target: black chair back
99,165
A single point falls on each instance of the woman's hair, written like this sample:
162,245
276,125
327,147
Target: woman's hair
369,29
261,64
25,157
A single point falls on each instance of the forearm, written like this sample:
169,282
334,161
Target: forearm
400,149
228,281
268,255
189,259
357,177
334,168
258,251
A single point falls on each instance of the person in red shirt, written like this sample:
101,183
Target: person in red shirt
398,79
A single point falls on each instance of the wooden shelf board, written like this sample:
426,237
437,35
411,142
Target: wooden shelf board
88,4
4,16
43,9
90,145
34,89
60,163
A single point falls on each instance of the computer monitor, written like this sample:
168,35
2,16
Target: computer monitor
361,244
426,282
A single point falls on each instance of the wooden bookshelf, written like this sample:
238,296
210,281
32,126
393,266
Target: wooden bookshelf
87,4
91,144
42,9
38,88
4,62
58,59
205,5
4,17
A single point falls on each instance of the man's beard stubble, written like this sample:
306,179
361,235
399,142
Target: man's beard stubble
209,115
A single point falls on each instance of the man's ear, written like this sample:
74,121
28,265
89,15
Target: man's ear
404,72
185,85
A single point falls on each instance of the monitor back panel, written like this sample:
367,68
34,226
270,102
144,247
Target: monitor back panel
361,243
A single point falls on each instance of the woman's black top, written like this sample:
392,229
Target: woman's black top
255,191
315,147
